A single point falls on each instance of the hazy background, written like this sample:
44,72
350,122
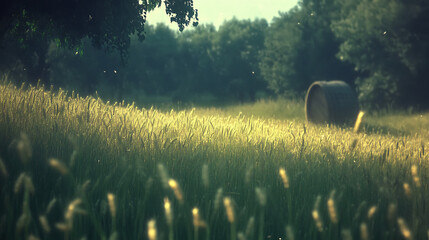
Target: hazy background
241,51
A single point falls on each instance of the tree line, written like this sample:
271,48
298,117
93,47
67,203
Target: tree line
380,47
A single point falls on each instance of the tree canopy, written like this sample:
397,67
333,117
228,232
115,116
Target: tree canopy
108,23
379,46
27,27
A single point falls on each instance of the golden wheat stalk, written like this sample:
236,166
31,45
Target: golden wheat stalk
364,234
229,209
71,209
406,232
112,206
332,209
358,122
316,215
372,211
57,165
168,212
151,229
64,227
197,221
415,175
176,189
407,190
284,177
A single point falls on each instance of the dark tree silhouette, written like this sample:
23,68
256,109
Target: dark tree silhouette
33,25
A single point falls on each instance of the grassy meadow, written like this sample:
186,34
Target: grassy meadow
77,167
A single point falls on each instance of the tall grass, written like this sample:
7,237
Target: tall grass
95,170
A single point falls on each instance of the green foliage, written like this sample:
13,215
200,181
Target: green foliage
387,43
95,170
278,64
235,49
220,63
300,48
32,26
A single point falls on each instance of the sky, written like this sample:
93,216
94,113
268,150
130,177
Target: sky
217,11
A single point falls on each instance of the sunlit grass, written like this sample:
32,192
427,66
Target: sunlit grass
112,169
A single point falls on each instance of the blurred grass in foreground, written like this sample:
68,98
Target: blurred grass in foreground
80,168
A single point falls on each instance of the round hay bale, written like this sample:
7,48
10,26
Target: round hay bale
332,102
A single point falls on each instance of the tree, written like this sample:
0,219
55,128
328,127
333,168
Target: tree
197,72
108,23
300,48
388,43
235,51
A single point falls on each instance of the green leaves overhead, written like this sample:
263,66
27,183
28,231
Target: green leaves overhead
109,23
